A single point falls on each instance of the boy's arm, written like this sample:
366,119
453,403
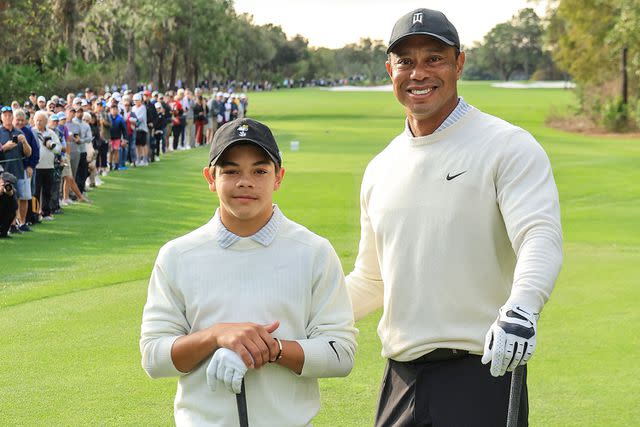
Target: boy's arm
330,346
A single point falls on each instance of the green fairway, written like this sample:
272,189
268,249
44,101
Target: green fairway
72,292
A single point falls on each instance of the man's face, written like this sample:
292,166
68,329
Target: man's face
41,122
424,72
19,122
79,113
114,110
42,104
245,179
7,119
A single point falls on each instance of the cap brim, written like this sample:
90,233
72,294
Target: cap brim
240,140
435,36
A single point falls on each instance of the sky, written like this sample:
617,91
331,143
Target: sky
335,23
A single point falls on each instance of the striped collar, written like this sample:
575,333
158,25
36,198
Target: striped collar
264,236
461,109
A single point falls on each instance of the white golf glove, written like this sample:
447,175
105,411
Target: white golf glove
227,367
511,340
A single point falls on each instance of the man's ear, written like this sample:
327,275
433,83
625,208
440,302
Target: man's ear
389,69
211,180
279,178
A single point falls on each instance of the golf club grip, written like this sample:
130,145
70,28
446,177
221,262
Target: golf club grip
514,396
241,402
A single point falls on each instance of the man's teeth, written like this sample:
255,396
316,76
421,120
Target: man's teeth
421,92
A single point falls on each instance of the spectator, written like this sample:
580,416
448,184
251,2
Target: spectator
8,203
131,121
26,211
149,104
82,137
178,123
142,130
200,119
68,181
15,148
104,137
118,132
50,146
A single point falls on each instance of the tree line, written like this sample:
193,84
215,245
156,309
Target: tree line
56,46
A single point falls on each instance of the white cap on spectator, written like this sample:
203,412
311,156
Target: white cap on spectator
42,99
76,100
158,105
154,93
137,97
84,103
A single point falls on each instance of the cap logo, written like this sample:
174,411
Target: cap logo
417,17
242,130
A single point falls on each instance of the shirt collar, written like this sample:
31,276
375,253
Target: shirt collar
461,109
265,236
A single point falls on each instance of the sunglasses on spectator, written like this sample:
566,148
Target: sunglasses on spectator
6,108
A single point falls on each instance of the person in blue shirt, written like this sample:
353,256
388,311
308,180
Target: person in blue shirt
118,132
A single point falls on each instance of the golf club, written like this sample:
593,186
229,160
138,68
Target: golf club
241,402
514,396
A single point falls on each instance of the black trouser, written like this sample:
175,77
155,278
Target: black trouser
103,152
178,133
82,172
44,190
8,206
452,392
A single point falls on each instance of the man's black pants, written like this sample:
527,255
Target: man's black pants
453,392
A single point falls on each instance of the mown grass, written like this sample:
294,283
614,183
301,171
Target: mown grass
71,293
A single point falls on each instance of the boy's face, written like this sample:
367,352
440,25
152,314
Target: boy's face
245,179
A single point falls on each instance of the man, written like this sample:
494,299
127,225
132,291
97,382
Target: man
41,103
141,130
26,212
250,296
14,148
460,242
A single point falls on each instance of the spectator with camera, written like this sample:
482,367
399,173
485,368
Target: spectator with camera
25,211
14,148
50,146
8,202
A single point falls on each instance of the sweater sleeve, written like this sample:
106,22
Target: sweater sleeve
330,346
364,283
528,199
163,321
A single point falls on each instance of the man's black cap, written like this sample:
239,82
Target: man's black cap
244,130
426,22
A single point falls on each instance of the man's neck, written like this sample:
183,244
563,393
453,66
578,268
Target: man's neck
423,126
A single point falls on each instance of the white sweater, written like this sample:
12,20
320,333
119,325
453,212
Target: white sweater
296,278
442,255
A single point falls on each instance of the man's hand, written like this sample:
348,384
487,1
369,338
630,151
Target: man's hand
511,340
252,342
227,367
29,171
9,145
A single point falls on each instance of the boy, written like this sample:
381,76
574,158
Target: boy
253,282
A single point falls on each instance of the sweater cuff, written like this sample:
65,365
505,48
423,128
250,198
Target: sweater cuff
315,359
159,363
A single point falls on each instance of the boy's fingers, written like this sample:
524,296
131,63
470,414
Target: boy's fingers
272,327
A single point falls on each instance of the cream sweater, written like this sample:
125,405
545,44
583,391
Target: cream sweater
454,225
296,278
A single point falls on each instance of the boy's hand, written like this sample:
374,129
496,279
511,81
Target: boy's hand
252,342
227,367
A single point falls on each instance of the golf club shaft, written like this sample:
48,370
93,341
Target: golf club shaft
514,396
241,402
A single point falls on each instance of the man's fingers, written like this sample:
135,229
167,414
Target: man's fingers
486,355
237,382
272,346
244,355
272,326
228,379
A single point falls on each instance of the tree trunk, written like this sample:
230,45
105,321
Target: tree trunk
131,78
161,56
625,82
195,73
174,70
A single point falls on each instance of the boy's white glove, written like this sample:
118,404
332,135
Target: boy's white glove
226,366
511,340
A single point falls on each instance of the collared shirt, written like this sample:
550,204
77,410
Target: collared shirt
264,236
461,109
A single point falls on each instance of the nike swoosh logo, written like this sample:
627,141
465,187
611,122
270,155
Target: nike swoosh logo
450,177
332,344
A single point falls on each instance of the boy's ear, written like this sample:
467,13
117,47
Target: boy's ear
279,178
206,172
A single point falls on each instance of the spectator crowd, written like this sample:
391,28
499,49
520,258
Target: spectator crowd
53,151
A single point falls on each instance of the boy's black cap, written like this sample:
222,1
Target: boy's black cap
244,130
426,22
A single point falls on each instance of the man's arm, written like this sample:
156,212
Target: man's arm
330,346
364,283
528,199
26,148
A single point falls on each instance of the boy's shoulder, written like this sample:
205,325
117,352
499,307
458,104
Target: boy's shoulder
301,235
189,242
